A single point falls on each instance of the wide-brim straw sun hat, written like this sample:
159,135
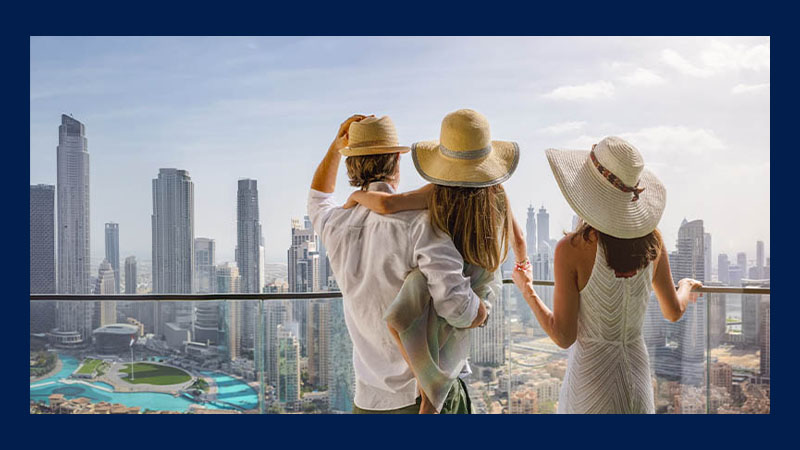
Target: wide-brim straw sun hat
465,155
373,136
609,187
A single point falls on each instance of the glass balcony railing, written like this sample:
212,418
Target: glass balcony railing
291,353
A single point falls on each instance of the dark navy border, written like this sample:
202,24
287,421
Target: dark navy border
24,19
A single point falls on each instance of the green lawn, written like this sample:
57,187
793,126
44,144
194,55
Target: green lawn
89,366
147,373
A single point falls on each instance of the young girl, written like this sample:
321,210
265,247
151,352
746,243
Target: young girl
467,202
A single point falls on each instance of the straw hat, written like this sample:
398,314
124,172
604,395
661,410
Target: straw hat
465,155
373,136
609,188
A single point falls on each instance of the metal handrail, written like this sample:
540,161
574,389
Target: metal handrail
274,296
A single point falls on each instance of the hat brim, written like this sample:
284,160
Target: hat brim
492,169
606,208
364,151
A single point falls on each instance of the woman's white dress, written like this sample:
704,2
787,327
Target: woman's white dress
608,369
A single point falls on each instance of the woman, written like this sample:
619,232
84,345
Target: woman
605,271
467,202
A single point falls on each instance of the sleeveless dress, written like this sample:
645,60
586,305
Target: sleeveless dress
608,369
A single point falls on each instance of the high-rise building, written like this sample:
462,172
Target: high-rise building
303,271
205,265
131,278
717,315
73,319
248,254
42,255
735,275
105,285
317,342
686,362
276,313
206,322
764,337
760,254
707,255
530,231
342,378
723,267
112,251
228,282
488,344
288,386
751,313
173,245
741,261
543,231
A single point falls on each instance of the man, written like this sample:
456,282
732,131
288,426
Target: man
371,254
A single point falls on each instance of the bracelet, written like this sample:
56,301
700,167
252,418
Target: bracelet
523,265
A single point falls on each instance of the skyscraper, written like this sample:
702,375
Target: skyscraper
760,254
303,271
206,320
205,265
543,231
112,251
73,319
317,341
288,386
488,344
248,253
228,282
173,245
686,364
42,255
764,338
530,232
741,261
341,377
723,266
707,255
130,275
105,285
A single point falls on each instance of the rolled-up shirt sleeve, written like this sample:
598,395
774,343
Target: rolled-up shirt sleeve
320,206
442,265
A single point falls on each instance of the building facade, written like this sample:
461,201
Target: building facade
42,256
112,251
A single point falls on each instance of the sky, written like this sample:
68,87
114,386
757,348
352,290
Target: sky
225,108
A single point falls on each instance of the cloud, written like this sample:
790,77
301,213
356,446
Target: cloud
682,65
589,91
664,142
643,77
749,88
563,127
720,57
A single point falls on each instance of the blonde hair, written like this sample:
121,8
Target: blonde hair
476,219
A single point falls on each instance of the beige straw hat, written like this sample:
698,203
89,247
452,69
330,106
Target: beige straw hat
465,155
373,136
609,188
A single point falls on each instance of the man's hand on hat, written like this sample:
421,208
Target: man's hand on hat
341,139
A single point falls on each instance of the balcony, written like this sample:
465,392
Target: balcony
290,353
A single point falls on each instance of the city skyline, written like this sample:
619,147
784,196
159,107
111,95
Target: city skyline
211,132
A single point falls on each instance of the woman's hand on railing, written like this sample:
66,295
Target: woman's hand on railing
686,287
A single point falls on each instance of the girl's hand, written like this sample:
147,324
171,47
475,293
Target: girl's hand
352,201
689,285
523,276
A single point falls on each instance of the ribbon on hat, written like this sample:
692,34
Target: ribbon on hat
614,180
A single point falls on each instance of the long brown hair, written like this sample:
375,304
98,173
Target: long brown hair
476,219
622,255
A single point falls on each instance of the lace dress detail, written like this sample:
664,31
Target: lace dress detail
608,369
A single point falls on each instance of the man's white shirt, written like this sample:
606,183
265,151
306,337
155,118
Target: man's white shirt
370,255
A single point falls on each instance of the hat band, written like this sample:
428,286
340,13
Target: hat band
614,180
378,143
466,154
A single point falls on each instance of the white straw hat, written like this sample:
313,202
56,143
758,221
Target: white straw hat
373,136
609,188
465,155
